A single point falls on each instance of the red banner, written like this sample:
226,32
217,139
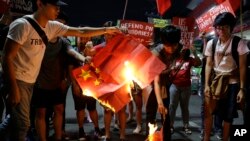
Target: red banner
142,31
205,21
187,31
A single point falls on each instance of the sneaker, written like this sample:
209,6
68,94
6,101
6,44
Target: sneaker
218,136
99,135
187,131
201,134
137,130
82,136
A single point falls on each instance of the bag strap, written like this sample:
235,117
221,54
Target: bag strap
235,44
215,40
38,30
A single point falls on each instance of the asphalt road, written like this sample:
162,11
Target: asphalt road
179,135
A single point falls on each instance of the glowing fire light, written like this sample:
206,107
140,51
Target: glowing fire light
153,134
87,92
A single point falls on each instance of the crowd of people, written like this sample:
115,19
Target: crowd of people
34,92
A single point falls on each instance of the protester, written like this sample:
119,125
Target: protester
180,89
221,61
217,119
52,84
23,53
83,102
168,51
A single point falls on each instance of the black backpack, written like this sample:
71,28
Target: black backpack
235,55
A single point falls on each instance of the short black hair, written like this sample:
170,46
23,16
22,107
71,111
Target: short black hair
170,34
225,18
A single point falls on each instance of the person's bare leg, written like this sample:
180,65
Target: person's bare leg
226,130
209,106
94,117
130,111
122,121
107,121
58,121
138,103
40,123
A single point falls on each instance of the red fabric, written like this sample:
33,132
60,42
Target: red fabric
120,49
219,1
163,6
4,6
112,90
109,94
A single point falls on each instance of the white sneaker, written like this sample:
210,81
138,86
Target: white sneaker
137,130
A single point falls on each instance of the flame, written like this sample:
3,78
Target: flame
129,76
89,93
153,134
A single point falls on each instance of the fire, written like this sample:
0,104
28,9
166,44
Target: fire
153,134
87,92
129,76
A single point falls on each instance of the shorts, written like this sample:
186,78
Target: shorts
43,98
226,108
83,101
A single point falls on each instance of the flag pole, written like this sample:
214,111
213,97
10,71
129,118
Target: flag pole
125,9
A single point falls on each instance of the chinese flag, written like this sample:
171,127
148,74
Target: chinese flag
121,49
113,96
163,6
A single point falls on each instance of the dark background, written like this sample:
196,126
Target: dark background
96,12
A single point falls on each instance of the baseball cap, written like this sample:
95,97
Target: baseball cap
54,2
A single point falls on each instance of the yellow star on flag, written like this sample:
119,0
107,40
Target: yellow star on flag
97,82
85,74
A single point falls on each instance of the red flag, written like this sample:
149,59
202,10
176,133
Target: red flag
111,95
163,6
121,49
219,1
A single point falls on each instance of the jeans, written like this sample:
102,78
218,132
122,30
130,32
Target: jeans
182,95
19,115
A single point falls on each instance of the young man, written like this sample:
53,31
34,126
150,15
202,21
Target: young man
222,62
168,51
23,53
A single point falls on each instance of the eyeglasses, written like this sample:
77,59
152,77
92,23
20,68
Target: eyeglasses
221,27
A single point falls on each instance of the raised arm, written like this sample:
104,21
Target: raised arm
91,31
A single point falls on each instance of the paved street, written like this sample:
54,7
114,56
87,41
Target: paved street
179,135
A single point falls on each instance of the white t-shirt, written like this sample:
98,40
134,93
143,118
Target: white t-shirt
225,62
29,57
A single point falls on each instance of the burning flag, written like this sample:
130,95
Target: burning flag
114,67
142,64
111,95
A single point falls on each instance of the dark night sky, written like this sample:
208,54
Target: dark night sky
96,12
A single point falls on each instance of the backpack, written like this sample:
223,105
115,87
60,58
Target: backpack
235,55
